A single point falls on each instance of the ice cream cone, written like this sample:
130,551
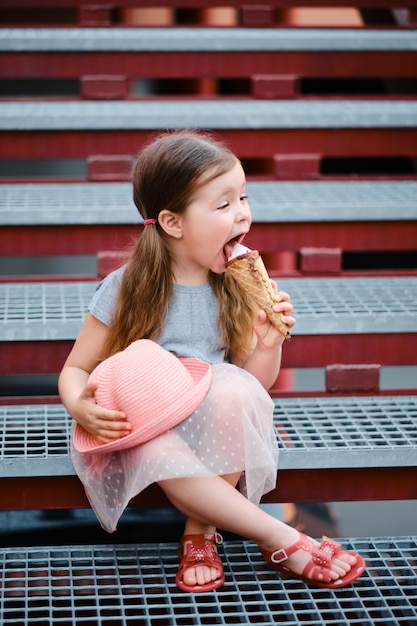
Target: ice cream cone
249,270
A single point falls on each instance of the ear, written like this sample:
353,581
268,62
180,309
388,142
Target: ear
171,223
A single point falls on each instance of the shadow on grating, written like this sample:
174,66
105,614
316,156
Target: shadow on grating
63,527
135,585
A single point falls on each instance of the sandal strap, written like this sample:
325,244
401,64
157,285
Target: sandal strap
321,555
201,550
214,538
282,554
317,570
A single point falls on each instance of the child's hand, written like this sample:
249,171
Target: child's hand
268,336
104,424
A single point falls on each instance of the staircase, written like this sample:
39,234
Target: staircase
322,111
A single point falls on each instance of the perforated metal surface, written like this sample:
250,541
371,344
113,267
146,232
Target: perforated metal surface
135,585
353,305
214,114
43,311
202,39
311,433
347,432
112,203
35,440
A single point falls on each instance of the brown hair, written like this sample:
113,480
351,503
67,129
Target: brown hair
167,173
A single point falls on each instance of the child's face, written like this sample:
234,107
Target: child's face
217,218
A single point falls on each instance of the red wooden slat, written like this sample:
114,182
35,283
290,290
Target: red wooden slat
321,350
352,236
355,484
209,64
246,143
33,357
268,238
358,484
86,239
47,357
353,378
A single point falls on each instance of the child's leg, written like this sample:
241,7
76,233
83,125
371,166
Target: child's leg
203,574
215,502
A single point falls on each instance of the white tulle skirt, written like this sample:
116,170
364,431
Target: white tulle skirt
231,431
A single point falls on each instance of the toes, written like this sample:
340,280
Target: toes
215,574
346,557
329,575
189,577
340,571
341,566
345,561
200,575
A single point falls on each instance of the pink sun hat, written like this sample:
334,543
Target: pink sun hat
154,388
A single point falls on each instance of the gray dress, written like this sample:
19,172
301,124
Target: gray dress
231,431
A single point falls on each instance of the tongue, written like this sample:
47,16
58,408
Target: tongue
227,250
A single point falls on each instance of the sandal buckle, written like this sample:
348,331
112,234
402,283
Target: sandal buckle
279,556
218,538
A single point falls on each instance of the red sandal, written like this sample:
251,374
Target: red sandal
319,563
200,551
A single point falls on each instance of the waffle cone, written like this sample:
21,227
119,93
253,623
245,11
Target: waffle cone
250,272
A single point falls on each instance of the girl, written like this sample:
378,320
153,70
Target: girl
174,290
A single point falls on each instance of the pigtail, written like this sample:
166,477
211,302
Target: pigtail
144,293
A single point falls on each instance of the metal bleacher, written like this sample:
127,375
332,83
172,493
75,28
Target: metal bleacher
260,130
349,320
359,439
314,203
135,585
84,217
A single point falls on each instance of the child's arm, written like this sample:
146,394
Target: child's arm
265,360
77,396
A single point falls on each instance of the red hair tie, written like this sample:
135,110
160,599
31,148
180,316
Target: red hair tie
151,220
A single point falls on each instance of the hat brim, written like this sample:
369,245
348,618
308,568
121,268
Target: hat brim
200,372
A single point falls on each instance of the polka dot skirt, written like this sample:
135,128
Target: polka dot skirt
231,431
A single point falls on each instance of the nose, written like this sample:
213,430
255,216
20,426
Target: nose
243,213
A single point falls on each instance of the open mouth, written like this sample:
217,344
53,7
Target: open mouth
228,247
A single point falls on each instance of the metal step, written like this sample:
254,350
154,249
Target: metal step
323,306
312,433
135,585
208,39
270,202
214,114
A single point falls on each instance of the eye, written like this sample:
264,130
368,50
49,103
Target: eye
243,198
224,206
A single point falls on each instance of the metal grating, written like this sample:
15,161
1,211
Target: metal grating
346,432
324,432
322,306
135,585
201,39
214,114
112,203
353,305
35,432
42,311
363,422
